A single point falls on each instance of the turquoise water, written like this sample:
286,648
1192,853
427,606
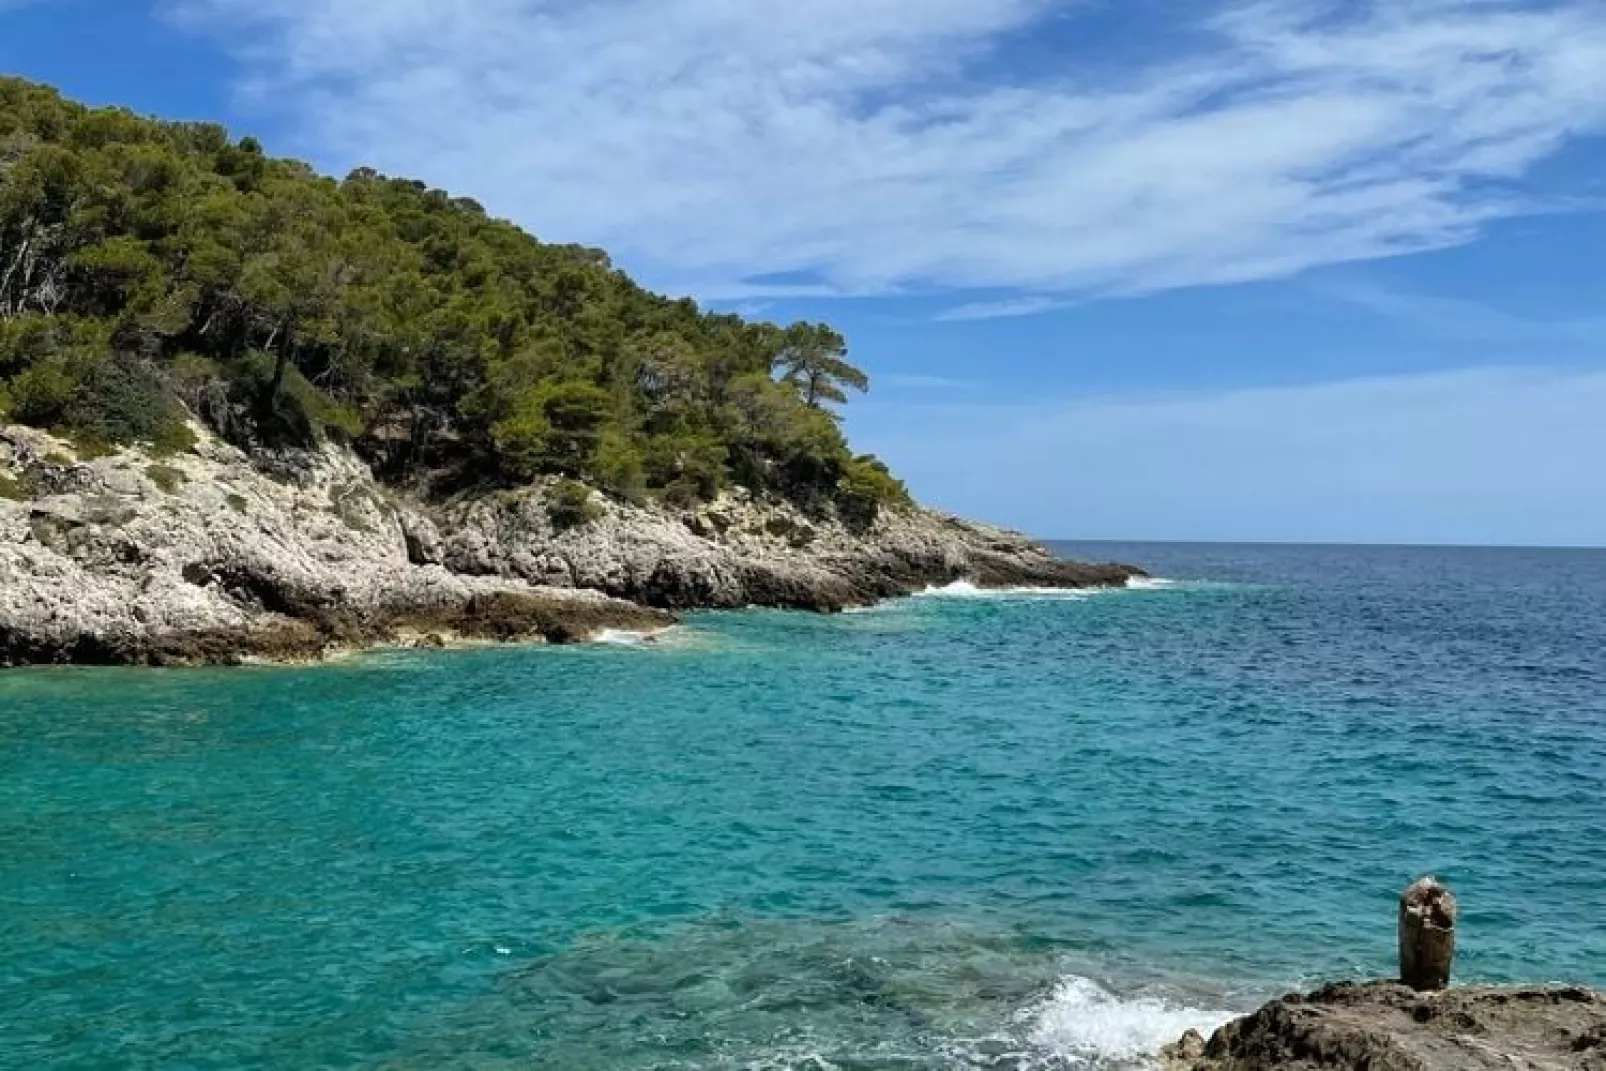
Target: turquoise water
1008,832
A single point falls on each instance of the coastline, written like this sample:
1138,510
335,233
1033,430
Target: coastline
1386,1026
214,557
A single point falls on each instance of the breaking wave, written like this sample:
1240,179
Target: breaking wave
965,589
1085,1025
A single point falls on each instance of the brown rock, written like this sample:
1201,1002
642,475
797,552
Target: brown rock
1185,1051
1390,1027
1427,935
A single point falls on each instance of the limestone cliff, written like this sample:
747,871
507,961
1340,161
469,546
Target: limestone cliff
213,556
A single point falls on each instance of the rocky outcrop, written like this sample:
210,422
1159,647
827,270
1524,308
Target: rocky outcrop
739,552
207,558
213,556
1390,1027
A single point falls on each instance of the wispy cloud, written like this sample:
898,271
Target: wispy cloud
1489,455
1034,305
1460,320
874,145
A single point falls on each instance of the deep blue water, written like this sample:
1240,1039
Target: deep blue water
1004,832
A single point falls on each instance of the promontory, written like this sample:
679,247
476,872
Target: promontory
248,411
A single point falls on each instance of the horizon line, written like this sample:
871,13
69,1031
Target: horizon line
1378,545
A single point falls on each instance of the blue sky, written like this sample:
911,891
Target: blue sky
1215,269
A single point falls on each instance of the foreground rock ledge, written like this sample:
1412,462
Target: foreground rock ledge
1389,1027
212,556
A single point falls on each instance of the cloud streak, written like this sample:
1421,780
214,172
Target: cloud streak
885,146
1469,322
1004,309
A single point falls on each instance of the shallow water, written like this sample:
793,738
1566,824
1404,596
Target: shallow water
963,830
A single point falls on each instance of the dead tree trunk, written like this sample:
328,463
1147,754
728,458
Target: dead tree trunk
1427,935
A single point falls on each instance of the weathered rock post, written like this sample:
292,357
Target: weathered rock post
1427,935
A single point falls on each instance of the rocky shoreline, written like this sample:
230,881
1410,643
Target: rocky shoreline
214,557
1386,1026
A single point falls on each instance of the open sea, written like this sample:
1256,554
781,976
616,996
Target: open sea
1007,831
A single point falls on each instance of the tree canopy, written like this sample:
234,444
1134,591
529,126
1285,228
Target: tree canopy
150,270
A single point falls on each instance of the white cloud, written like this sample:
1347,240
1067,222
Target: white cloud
1493,455
876,145
1006,308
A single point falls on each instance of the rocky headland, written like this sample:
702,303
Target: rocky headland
214,556
1385,1026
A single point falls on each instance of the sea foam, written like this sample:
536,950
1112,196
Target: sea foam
1086,1025
965,589
613,637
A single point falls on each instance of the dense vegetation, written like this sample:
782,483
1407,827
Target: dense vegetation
152,269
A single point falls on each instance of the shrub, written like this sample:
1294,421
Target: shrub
166,477
298,415
88,447
118,400
40,395
571,504
14,489
688,467
620,468
867,486
555,427
174,437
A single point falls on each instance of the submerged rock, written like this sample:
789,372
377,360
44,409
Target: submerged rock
1391,1027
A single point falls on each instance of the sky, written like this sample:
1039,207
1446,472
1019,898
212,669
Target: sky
1119,269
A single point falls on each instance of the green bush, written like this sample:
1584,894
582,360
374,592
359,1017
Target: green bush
166,477
570,504
297,415
687,467
866,487
14,489
99,399
191,369
555,427
173,438
41,395
88,448
119,400
620,467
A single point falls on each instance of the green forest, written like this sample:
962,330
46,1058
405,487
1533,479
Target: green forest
154,270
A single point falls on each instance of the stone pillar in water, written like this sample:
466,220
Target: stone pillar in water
1427,935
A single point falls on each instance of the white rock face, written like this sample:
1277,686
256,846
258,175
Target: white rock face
210,555
738,552
105,558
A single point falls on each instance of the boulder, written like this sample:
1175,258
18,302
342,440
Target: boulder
1386,1026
